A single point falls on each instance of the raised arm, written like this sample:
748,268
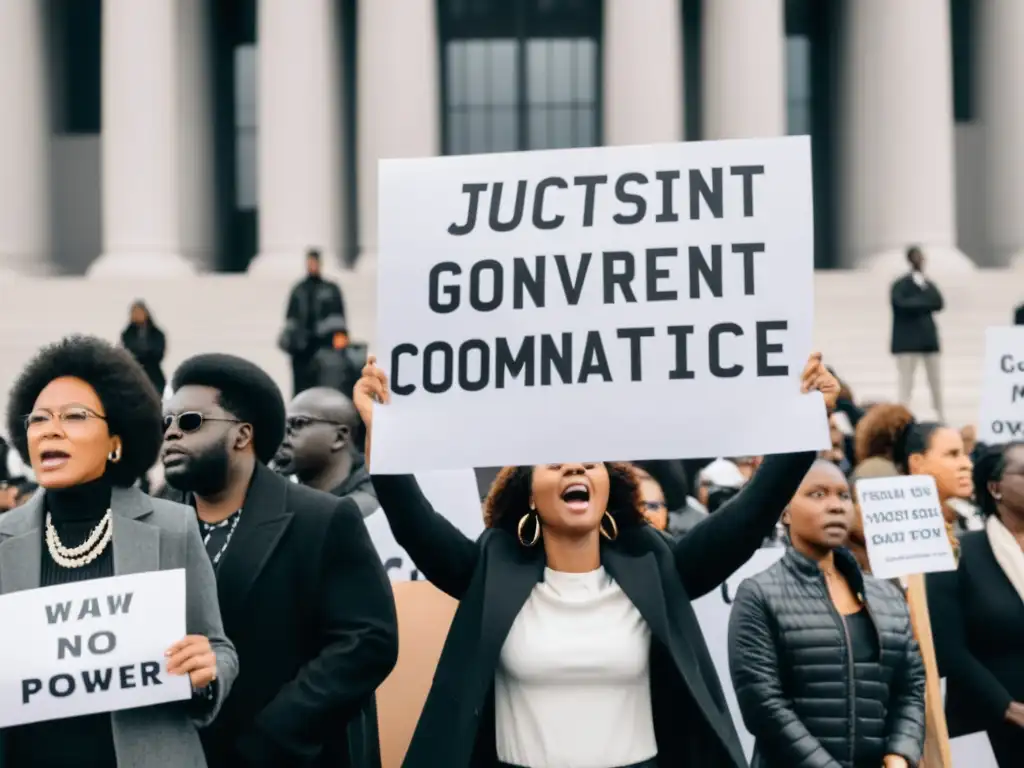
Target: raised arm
722,542
718,545
441,552
956,661
756,677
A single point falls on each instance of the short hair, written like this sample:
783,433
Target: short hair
313,253
509,497
131,403
245,391
878,430
989,468
912,249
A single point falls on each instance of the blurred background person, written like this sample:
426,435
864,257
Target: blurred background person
977,613
147,343
683,512
812,634
915,338
314,322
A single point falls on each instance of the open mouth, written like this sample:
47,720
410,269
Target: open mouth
53,459
173,456
577,497
836,527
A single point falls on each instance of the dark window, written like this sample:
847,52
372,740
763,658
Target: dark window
693,70
961,18
798,85
76,78
246,184
520,74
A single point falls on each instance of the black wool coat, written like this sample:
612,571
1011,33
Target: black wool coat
803,698
306,602
493,577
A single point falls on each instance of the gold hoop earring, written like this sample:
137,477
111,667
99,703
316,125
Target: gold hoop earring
536,530
115,455
615,527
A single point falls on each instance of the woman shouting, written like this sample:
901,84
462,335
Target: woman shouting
575,644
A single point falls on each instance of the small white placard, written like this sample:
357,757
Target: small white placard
903,526
452,493
541,305
91,646
1002,387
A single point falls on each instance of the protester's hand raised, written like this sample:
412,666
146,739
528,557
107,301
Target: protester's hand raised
816,378
371,388
193,656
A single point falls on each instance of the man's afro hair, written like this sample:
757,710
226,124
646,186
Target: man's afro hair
246,392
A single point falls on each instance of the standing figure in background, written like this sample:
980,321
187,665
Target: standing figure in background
147,343
314,323
1018,315
915,339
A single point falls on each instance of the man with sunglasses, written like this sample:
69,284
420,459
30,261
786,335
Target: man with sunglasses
319,447
302,591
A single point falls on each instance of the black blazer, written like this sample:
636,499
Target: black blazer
978,624
913,327
309,608
493,577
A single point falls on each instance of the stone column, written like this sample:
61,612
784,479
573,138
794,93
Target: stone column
299,135
25,237
744,75
897,153
643,71
1001,59
398,94
141,145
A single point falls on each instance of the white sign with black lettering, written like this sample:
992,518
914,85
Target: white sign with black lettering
1002,386
453,494
91,646
904,527
545,306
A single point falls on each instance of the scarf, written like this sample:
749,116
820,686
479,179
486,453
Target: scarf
1007,552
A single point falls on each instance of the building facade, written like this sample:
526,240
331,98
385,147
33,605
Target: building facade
173,136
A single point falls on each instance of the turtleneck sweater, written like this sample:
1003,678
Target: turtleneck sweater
74,742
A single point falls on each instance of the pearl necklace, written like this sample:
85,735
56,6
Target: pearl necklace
85,553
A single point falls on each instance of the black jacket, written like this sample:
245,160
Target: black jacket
1018,315
316,311
913,327
309,608
978,625
147,345
493,577
793,671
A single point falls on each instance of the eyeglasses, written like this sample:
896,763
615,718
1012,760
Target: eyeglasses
191,421
69,416
299,423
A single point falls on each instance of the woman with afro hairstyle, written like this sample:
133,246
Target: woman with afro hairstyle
575,644
86,417
978,612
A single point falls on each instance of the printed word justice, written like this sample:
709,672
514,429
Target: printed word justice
490,283
553,197
545,359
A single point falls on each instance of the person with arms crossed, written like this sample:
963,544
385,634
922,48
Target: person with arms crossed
302,590
915,339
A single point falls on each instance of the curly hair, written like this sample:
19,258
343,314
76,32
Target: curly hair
130,401
878,431
245,390
509,497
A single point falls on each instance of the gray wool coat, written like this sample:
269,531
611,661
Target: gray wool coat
149,535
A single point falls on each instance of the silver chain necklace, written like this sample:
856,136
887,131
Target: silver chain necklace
227,539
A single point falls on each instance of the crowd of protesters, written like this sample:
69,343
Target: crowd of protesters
574,643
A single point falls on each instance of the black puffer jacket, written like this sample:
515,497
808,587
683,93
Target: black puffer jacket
791,667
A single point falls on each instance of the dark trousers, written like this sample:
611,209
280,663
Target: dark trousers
1007,742
303,373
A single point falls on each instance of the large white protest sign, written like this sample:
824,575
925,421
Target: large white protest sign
553,306
453,494
713,612
91,646
904,528
1002,386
